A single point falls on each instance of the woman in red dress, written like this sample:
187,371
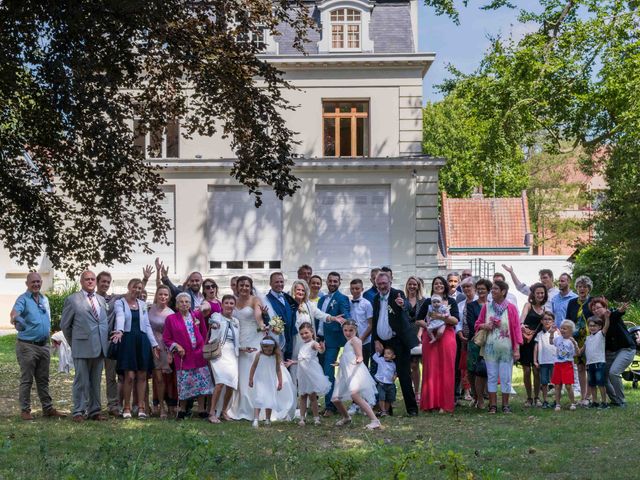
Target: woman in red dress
439,358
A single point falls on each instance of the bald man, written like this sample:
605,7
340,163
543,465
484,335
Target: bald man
31,317
84,324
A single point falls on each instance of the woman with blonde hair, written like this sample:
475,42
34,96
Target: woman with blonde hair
414,291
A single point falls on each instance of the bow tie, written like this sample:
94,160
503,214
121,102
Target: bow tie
355,301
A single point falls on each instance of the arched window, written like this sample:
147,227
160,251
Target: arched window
345,29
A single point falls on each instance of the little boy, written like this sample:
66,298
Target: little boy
544,355
385,379
596,367
362,314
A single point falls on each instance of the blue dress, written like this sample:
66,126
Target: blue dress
135,352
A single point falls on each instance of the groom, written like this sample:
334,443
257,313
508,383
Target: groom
280,303
391,328
337,305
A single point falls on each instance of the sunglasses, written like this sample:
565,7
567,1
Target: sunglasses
210,287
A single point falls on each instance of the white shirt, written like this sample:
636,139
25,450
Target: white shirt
383,328
93,300
546,350
361,312
594,348
386,370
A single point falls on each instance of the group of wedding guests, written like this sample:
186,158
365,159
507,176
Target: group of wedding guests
262,357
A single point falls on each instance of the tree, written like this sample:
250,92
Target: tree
575,79
452,130
74,74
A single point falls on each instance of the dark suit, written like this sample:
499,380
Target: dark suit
286,312
402,342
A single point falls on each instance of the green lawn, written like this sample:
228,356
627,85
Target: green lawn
530,444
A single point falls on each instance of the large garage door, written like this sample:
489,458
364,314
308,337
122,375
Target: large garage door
352,227
239,232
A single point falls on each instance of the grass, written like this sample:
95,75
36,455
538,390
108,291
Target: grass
531,444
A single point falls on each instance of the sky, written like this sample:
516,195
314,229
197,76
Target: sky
463,45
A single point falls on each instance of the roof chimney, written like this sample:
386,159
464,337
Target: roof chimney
477,193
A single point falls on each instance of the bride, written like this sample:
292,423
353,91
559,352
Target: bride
252,329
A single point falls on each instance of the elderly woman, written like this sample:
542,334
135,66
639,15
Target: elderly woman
531,321
226,329
499,318
135,359
469,291
620,347
578,312
163,378
184,334
439,358
413,290
476,367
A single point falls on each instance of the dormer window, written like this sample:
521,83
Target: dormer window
345,26
345,29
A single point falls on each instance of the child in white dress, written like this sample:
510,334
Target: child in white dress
265,380
354,381
312,381
435,326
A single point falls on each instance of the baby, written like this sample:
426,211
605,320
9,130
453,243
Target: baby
435,326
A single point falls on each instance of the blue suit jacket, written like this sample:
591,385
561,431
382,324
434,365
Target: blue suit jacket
287,314
338,305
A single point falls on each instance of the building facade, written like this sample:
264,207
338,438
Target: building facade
368,196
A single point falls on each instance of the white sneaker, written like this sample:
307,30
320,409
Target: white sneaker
255,423
267,422
353,409
316,420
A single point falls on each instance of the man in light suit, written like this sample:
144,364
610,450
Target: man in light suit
337,305
84,324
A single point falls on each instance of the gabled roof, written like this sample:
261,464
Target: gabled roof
497,226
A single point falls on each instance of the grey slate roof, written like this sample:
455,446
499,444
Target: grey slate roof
390,30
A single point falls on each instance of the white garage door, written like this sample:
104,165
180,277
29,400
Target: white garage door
240,232
166,252
352,227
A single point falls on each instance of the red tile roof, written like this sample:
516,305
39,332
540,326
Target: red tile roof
495,226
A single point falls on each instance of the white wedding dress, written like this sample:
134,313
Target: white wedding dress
241,405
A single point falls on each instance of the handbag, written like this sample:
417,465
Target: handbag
480,338
212,350
113,350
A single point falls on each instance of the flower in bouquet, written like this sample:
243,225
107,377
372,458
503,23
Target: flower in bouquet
276,324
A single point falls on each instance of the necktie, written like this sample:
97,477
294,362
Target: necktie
94,310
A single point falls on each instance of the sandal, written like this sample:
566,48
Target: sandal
506,409
301,423
343,421
528,403
213,419
493,409
572,406
373,425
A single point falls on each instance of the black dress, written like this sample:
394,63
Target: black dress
135,350
412,312
533,320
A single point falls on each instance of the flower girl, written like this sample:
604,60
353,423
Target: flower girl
354,381
312,381
265,379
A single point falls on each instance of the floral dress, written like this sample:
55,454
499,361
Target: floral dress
196,381
498,347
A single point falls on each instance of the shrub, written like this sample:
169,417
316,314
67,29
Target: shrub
56,302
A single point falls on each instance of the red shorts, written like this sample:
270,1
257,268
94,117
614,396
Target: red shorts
562,374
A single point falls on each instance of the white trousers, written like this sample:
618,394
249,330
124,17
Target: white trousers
499,370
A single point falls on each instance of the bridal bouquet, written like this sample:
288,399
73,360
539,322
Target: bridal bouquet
276,324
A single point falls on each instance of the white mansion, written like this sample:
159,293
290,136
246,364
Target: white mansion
368,196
